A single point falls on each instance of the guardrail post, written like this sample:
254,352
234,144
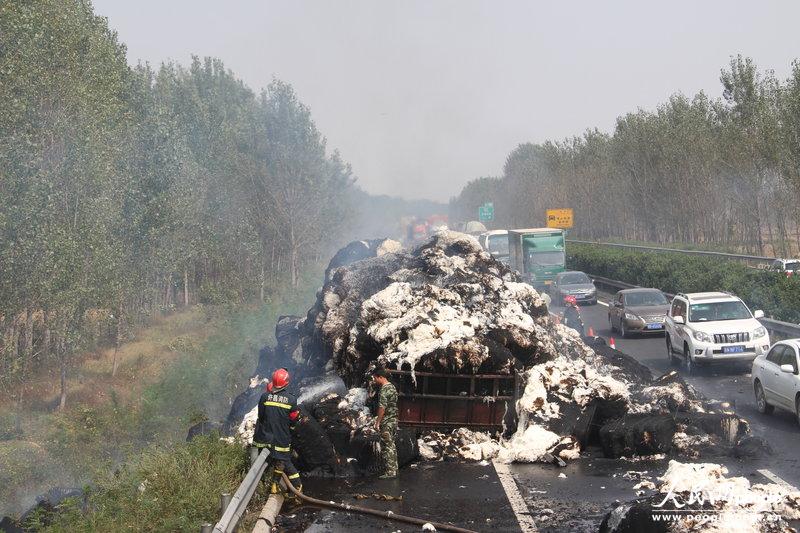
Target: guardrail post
236,505
224,502
253,454
207,528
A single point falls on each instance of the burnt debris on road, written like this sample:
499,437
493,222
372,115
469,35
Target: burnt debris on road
448,307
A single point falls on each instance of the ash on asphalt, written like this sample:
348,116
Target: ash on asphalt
470,495
578,502
467,495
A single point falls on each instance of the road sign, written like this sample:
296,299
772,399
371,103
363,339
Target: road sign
559,218
486,212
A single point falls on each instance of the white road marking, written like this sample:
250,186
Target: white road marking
518,505
775,479
602,303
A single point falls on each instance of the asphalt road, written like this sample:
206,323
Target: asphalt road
730,384
535,497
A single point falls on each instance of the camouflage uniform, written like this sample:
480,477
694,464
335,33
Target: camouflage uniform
388,429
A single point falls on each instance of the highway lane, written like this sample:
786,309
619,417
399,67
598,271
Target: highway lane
733,385
534,497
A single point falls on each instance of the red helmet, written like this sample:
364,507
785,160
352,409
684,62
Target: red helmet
280,378
570,300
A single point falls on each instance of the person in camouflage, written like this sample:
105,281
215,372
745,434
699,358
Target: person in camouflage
386,423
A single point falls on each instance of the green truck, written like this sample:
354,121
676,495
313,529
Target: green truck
537,254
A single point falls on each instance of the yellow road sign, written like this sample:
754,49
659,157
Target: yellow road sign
559,218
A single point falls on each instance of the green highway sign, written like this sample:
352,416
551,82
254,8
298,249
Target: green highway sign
486,212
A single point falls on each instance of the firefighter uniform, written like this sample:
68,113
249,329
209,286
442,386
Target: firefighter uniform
277,412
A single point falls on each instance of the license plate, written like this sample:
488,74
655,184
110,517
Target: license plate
654,326
548,282
732,349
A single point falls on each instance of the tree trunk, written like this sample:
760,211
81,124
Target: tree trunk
293,252
117,338
261,289
62,402
185,287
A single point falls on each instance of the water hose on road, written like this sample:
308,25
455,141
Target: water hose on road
388,515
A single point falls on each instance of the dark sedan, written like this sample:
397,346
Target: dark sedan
638,311
573,283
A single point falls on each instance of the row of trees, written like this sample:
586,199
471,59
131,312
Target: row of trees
723,172
127,191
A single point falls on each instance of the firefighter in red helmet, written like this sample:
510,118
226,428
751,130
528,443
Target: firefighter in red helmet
277,412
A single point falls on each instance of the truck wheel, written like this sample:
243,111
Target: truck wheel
761,400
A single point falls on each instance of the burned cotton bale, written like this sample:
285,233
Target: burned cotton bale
640,434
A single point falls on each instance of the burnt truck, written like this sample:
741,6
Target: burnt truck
538,254
431,400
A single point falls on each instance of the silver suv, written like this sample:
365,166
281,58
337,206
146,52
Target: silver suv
713,327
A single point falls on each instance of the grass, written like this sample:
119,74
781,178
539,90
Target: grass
164,489
185,368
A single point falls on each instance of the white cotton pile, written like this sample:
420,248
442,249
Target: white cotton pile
577,381
528,445
247,427
737,505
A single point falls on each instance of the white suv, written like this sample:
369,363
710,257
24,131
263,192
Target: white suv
713,327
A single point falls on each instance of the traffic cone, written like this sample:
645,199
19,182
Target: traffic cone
591,332
612,344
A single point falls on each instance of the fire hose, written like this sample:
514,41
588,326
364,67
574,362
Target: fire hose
388,515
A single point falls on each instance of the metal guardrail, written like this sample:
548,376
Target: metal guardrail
238,505
784,329
721,255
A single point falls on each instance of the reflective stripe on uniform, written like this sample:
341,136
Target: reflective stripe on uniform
278,404
294,476
282,449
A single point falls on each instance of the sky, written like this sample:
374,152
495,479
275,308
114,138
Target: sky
421,96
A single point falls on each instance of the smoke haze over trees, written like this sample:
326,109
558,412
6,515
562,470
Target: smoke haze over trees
712,171
130,191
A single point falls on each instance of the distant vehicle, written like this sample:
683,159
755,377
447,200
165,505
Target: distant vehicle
496,243
713,327
473,227
537,254
788,266
775,378
573,283
638,311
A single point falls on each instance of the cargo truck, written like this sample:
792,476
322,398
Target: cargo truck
537,254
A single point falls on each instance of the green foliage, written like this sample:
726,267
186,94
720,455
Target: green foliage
135,191
776,294
166,489
714,172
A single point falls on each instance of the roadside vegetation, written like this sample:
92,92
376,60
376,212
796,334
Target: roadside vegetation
719,172
154,222
773,292
184,370
132,192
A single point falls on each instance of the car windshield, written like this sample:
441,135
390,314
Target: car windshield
498,244
792,266
645,298
574,278
544,259
711,312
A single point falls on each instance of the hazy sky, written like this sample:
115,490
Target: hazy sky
422,96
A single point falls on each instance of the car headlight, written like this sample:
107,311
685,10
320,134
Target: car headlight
631,316
759,332
702,337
